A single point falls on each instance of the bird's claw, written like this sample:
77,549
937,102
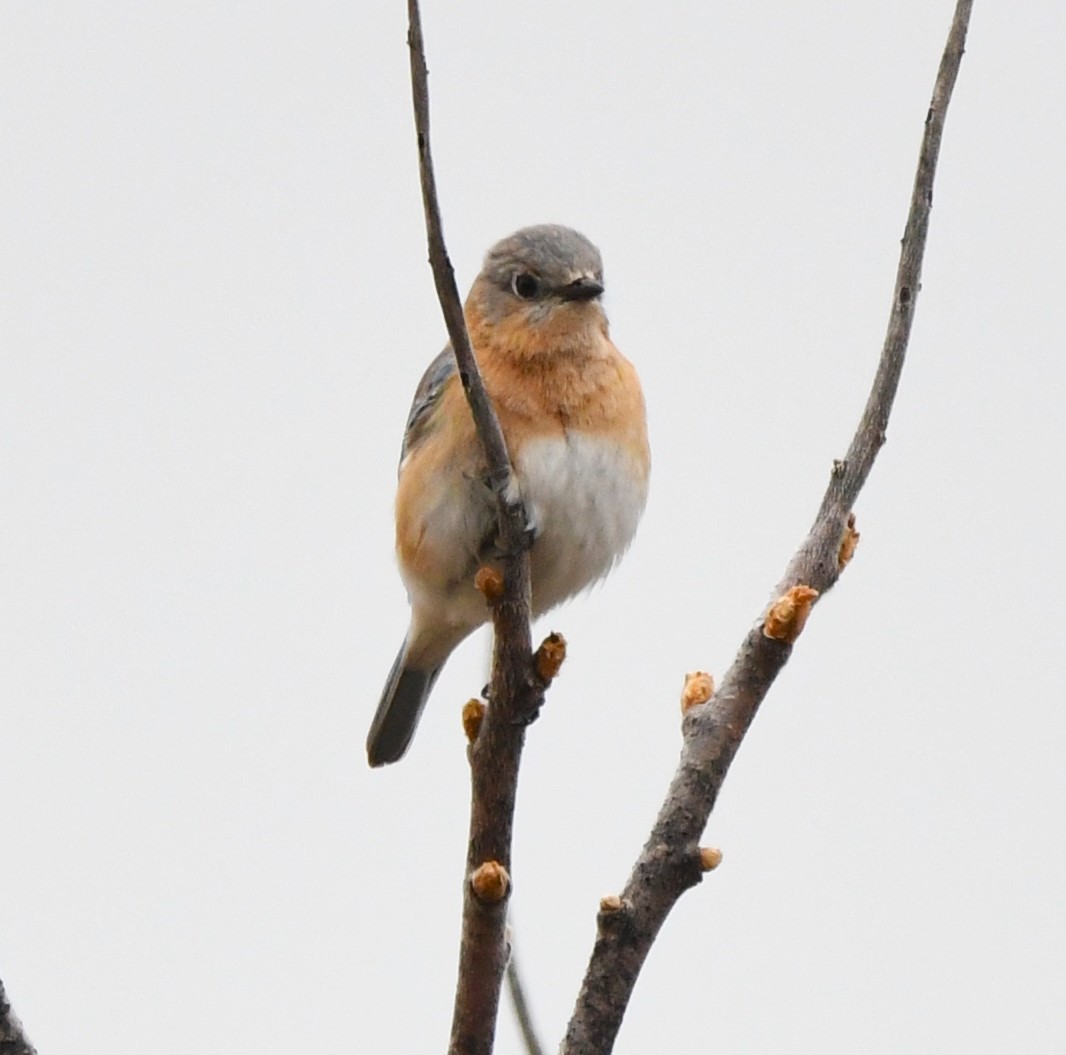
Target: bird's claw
496,550
527,713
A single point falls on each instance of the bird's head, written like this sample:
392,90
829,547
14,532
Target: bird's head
540,291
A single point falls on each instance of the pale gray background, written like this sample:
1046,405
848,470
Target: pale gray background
214,307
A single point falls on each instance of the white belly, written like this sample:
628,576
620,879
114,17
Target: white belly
585,497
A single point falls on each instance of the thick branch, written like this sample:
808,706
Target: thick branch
670,861
495,754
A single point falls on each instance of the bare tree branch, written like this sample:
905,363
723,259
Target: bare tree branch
515,693
12,1039
671,862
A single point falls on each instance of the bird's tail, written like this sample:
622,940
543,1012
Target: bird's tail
397,715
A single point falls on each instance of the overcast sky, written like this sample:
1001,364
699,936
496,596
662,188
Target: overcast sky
214,307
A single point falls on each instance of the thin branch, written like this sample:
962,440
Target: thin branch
670,862
517,989
12,1039
488,428
497,750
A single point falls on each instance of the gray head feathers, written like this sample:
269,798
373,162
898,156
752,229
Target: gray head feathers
552,254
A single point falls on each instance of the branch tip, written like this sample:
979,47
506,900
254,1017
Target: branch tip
710,858
610,904
788,614
549,657
490,882
698,688
473,716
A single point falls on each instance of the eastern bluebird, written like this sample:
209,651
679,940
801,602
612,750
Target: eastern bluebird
572,414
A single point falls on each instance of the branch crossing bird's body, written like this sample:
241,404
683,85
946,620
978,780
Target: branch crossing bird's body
572,414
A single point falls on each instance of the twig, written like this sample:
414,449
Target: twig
670,862
12,1039
495,754
517,990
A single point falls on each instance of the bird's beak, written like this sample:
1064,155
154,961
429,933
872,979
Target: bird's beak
580,289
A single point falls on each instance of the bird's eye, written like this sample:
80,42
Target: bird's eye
525,285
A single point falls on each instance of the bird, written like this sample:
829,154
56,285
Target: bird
573,417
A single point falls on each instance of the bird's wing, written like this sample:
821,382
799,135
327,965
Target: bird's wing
426,396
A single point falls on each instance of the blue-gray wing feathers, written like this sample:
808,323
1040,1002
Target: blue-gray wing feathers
426,396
